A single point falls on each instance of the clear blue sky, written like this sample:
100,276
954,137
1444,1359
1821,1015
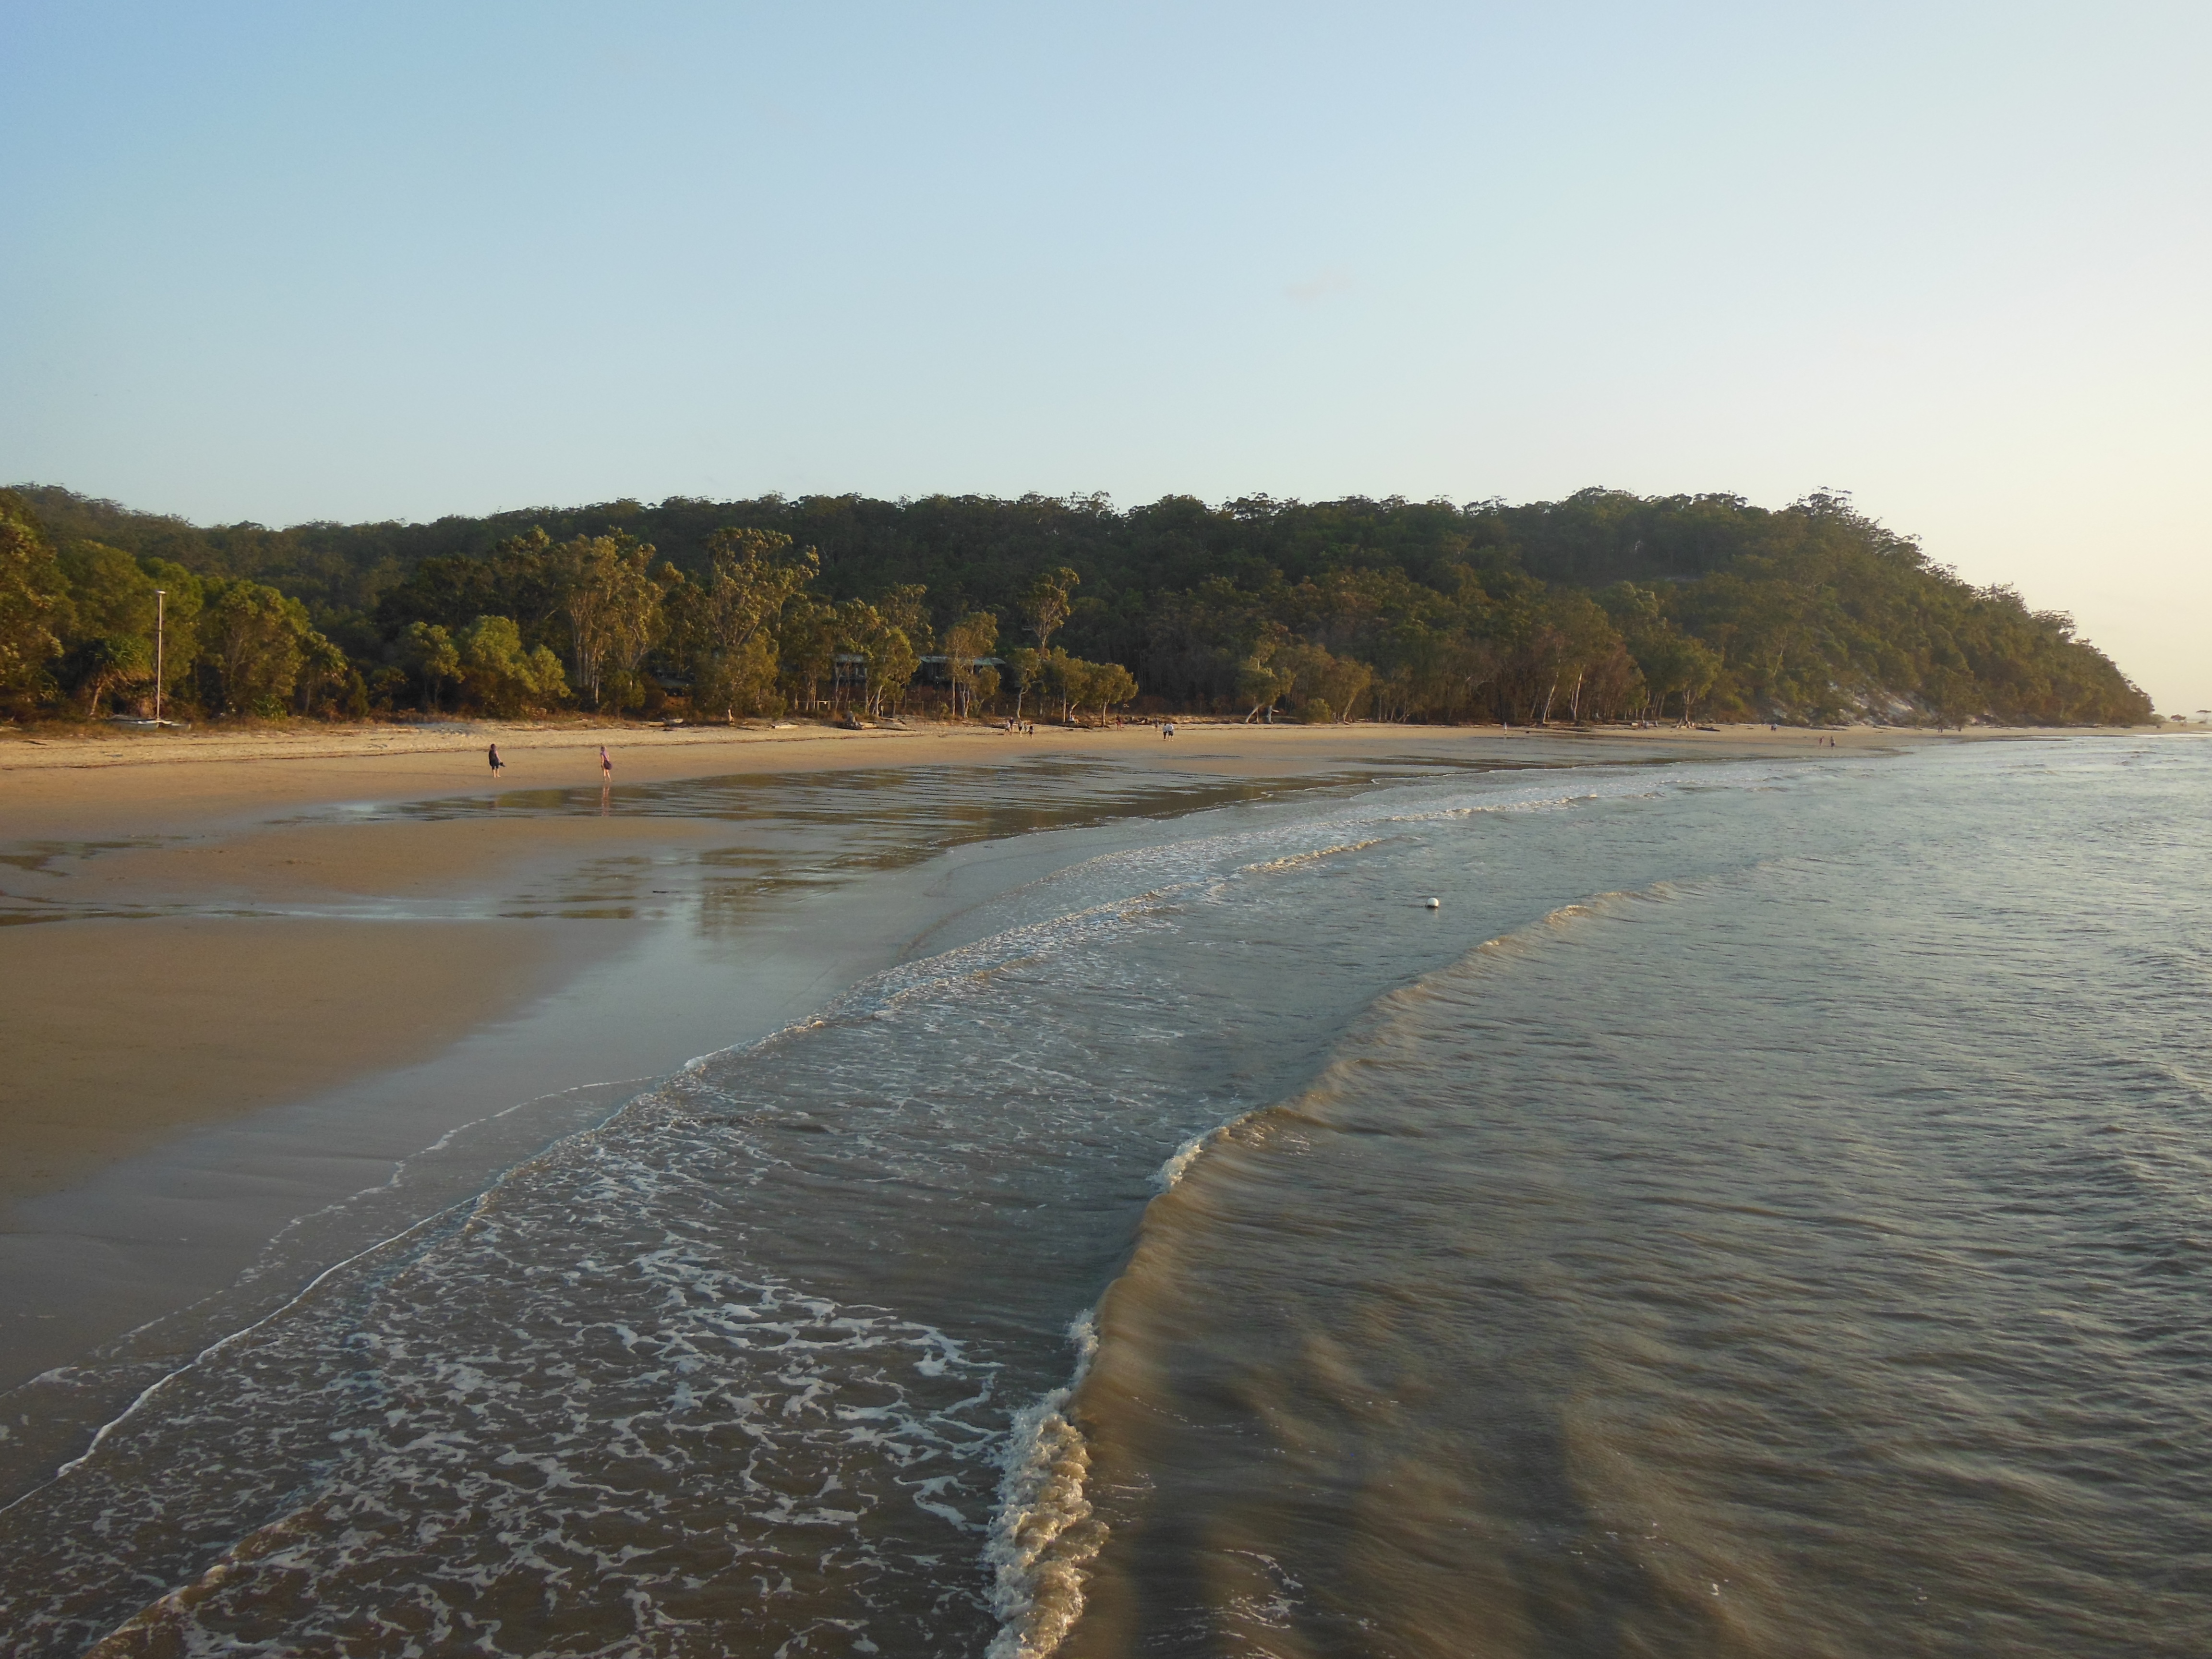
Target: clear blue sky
293,261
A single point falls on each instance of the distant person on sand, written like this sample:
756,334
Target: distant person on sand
1167,731
498,765
606,764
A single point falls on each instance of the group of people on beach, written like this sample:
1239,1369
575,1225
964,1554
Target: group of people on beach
606,764
1027,728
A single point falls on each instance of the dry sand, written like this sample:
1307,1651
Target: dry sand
202,1005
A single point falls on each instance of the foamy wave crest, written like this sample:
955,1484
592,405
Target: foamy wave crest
1293,860
1044,1532
1180,1160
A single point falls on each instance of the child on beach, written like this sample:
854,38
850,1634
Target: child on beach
498,765
606,764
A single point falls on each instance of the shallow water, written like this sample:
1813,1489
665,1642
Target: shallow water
767,895
1761,1210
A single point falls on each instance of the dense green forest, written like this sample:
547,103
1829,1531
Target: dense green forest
1603,606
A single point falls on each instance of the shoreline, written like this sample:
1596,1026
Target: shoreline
171,874
87,784
77,744
244,992
237,952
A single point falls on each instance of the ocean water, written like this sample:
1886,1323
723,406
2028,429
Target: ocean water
1763,1210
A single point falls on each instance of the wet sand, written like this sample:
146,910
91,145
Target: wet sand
121,1033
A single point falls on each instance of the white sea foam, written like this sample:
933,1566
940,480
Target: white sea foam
1294,860
1043,1531
1180,1161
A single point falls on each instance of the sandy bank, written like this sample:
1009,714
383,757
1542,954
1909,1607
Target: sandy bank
118,1033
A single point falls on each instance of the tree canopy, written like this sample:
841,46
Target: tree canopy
1603,605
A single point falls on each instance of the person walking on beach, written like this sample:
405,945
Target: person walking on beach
607,765
498,765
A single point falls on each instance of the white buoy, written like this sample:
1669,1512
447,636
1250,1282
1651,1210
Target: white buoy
1436,904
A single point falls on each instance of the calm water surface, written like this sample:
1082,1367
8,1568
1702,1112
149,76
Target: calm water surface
1764,1210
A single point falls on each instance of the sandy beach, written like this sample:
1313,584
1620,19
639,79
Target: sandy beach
56,780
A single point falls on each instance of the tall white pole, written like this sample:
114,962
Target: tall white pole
161,620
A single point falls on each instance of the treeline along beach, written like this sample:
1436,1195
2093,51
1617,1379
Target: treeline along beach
1605,606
